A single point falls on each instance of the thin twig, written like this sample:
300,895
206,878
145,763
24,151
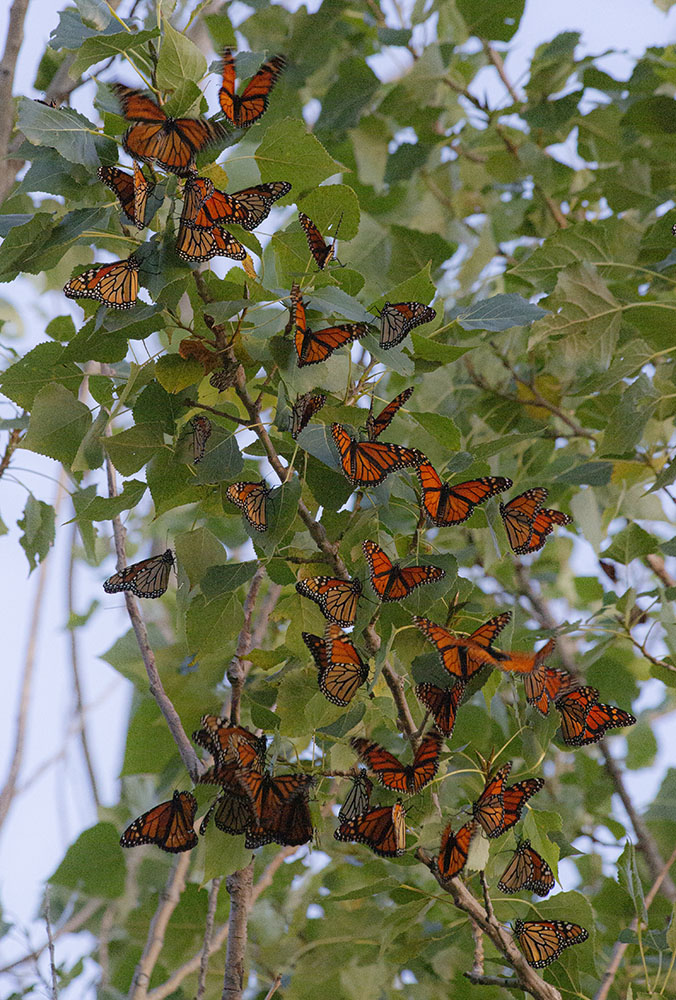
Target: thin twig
169,900
621,946
276,983
10,448
238,668
9,787
496,59
208,933
15,26
221,935
508,982
50,944
71,925
219,413
240,889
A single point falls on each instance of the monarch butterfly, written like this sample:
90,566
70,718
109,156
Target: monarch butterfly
585,720
358,798
232,812
454,850
383,829
527,870
172,142
321,252
368,463
392,583
169,825
531,665
313,346
271,799
376,425
132,191
462,656
442,703
397,319
498,808
147,578
201,432
253,499
225,377
556,683
542,941
341,669
245,110
231,745
445,504
195,244
528,523
290,825
116,284
337,598
206,206
406,778
303,410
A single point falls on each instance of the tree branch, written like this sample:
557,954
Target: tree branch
50,945
240,888
208,933
12,443
496,59
169,900
13,43
71,925
527,978
239,665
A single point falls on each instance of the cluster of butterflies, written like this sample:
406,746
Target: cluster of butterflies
252,800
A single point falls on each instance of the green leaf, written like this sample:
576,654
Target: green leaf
180,60
327,206
106,878
652,116
426,349
105,508
38,530
197,551
130,450
498,20
222,579
222,458
22,242
289,152
37,369
100,47
500,312
58,423
441,427
175,373
68,132
631,543
213,625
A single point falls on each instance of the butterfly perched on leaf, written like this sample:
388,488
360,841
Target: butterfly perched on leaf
397,319
205,206
442,703
499,808
304,409
116,284
194,244
368,463
322,253
585,720
383,829
341,669
463,656
245,109
337,598
389,580
358,798
408,779
445,504
252,498
132,191
527,870
528,523
201,432
232,811
147,578
454,850
314,346
168,825
172,143
376,425
542,941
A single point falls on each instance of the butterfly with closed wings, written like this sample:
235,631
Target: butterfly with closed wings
542,941
169,825
528,523
383,829
337,598
341,669
527,870
115,284
376,425
499,808
147,578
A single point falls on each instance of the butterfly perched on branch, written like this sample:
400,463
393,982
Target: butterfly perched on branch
147,578
542,941
337,598
132,191
368,463
376,425
341,669
314,346
527,870
392,582
397,319
454,850
445,504
383,829
169,825
499,808
322,253
406,778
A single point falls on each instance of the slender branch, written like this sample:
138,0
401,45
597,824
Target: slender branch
219,413
621,946
164,703
77,687
527,978
13,43
240,888
496,59
12,442
169,900
239,666
50,944
508,982
656,564
9,788
221,935
276,983
208,933
477,934
73,924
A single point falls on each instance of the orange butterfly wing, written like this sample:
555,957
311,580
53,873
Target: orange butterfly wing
454,850
122,184
460,656
197,244
397,319
542,941
337,598
168,825
446,505
383,829
345,670
488,809
376,425
573,708
115,285
321,252
515,797
442,703
408,779
556,683
543,525
527,870
245,110
368,463
252,499
303,410
147,578
392,583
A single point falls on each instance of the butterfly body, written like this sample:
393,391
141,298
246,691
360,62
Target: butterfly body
454,850
303,410
315,346
376,425
442,703
337,598
252,498
341,669
390,581
408,779
147,578
368,463
446,505
584,720
499,808
169,825
201,432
